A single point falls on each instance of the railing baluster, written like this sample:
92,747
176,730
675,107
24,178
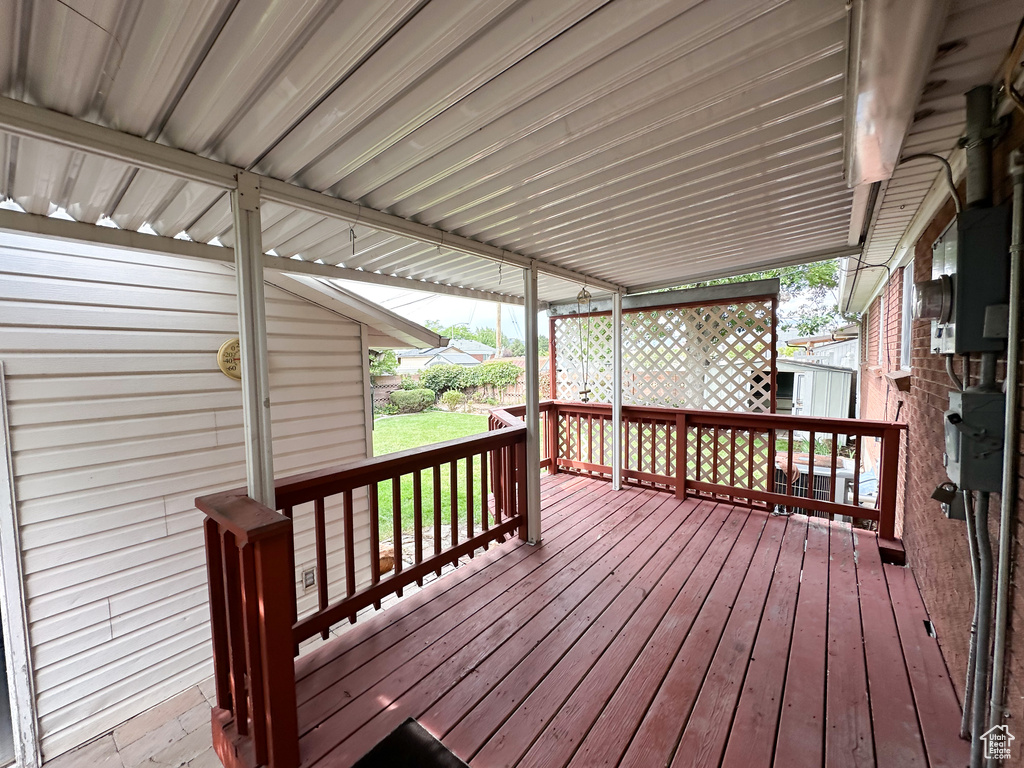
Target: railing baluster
811,490
396,527
453,490
590,439
789,464
833,473
236,632
417,515
320,540
469,500
520,475
253,651
856,470
374,538
484,511
653,466
436,488
732,457
350,550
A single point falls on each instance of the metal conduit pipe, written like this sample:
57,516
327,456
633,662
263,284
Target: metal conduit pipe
1008,493
972,546
984,614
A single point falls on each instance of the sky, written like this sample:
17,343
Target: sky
420,306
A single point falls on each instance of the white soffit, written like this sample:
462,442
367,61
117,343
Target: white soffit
641,143
976,39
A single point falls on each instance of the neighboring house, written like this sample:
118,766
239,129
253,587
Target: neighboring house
482,352
415,360
452,356
118,418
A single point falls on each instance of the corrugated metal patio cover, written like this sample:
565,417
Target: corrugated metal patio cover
639,142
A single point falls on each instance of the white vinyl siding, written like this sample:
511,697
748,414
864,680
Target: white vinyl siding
119,419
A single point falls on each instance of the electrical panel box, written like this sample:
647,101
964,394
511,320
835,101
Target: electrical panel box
974,440
972,256
982,276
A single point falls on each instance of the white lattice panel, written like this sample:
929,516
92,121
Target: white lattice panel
583,358
716,357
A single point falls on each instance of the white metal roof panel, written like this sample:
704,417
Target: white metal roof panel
639,143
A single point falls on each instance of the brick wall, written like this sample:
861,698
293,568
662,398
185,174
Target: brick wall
937,547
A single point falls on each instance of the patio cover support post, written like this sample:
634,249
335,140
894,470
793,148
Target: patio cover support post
252,327
532,407
616,391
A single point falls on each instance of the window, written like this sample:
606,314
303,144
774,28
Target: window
907,331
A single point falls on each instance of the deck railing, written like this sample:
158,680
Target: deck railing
251,569
796,463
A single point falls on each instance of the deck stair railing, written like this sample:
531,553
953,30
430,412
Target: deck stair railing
251,568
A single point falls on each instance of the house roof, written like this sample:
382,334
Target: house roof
443,145
453,357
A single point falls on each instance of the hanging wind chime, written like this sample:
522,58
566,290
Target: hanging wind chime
583,300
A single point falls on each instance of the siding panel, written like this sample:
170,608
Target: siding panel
119,418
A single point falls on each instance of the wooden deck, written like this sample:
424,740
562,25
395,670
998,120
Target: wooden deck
646,631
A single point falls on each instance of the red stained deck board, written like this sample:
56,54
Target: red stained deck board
627,555
576,714
563,495
801,736
937,706
707,729
532,659
893,714
525,672
333,662
848,738
548,699
751,739
611,732
738,593
352,702
587,639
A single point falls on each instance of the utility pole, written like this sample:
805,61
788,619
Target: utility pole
497,334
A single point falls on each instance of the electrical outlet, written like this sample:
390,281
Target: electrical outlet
308,578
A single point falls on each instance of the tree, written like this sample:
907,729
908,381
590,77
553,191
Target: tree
383,362
808,298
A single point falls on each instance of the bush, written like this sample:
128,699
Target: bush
385,409
453,399
409,383
412,400
442,378
495,373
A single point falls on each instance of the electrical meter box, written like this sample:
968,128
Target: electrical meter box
974,255
974,440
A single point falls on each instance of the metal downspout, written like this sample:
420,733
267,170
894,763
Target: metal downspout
1008,494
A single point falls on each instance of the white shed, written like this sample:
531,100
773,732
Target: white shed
116,417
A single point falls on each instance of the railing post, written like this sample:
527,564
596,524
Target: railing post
274,584
551,433
681,455
617,462
890,460
218,614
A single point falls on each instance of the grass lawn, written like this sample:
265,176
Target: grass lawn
412,430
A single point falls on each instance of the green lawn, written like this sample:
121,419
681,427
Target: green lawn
398,433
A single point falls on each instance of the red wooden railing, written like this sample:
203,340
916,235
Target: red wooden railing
252,576
797,463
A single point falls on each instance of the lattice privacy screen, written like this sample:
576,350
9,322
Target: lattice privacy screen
714,357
